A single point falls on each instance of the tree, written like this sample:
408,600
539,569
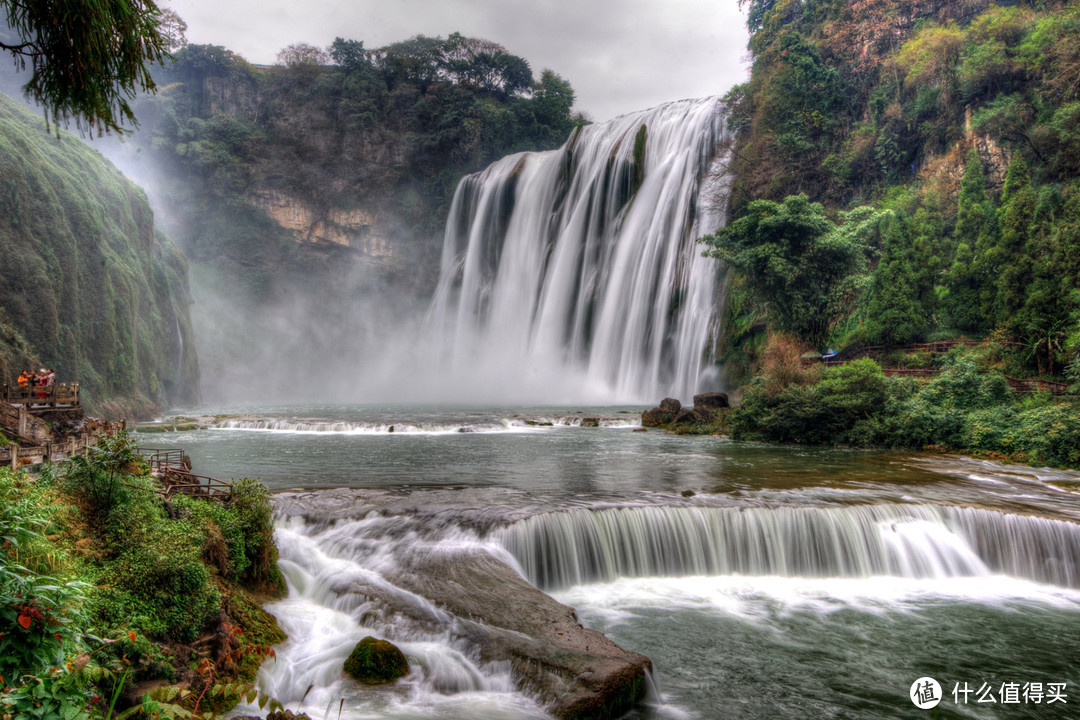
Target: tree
348,54
896,307
970,278
88,57
303,55
798,263
174,29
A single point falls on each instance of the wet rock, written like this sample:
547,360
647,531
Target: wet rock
670,405
687,416
663,415
287,715
375,662
590,422
576,672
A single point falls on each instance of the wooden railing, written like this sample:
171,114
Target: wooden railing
52,396
185,483
172,468
164,459
14,456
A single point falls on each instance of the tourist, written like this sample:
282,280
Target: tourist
50,378
24,379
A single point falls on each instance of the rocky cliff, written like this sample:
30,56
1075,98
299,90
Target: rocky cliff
88,286
310,198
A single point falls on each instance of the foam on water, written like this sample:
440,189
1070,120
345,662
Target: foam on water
334,574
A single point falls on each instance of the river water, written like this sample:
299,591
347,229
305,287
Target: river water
763,581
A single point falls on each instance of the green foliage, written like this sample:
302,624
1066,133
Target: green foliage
90,289
88,58
102,475
801,266
968,407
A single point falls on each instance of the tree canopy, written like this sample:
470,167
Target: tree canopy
88,58
797,262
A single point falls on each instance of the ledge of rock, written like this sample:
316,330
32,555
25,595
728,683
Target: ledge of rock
575,672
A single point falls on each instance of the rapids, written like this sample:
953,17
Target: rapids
763,582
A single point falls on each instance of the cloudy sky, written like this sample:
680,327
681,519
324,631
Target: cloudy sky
620,55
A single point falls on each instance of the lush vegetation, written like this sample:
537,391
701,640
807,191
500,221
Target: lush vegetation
103,586
391,129
957,120
907,172
967,406
89,287
75,74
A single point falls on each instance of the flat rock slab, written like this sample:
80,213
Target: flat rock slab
574,671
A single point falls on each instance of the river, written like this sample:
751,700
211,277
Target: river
763,581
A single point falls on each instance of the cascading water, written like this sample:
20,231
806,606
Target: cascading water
555,550
574,275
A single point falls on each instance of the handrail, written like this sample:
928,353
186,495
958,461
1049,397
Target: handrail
52,396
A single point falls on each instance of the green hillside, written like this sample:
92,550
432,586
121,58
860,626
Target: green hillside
89,287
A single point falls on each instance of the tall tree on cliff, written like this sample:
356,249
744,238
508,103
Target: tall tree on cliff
797,262
88,57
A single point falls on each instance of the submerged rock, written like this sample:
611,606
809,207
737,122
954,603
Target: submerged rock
375,662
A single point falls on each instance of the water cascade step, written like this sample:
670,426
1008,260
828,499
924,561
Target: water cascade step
561,549
575,273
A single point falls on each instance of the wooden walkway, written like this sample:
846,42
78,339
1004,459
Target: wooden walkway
172,468
16,456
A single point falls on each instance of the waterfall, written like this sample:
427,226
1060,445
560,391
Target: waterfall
573,275
557,550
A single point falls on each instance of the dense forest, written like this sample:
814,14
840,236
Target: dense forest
906,172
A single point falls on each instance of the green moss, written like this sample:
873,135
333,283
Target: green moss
376,662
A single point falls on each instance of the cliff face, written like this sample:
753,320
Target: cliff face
310,199
87,285
958,123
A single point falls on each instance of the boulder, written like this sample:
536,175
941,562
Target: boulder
662,415
375,662
670,405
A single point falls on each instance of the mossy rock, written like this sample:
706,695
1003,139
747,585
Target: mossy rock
375,662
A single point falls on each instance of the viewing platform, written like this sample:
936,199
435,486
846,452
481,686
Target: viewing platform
43,397
172,468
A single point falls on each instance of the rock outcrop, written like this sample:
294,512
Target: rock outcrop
663,414
576,672
672,415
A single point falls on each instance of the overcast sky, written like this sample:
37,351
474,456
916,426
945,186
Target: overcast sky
620,55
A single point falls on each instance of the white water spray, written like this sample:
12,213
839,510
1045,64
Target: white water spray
574,275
